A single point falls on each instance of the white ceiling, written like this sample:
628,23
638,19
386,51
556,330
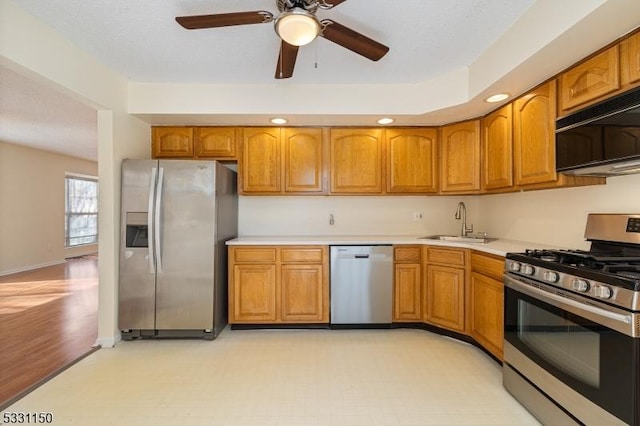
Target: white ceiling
428,39
141,40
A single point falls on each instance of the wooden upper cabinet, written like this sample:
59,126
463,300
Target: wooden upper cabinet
216,142
630,60
260,163
357,161
460,157
590,80
172,142
534,146
303,160
497,149
412,160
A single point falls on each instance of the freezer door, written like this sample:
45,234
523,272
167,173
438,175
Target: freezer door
136,293
185,245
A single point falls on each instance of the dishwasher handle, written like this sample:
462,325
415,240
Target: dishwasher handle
361,256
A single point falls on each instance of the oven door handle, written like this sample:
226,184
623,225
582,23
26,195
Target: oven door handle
591,312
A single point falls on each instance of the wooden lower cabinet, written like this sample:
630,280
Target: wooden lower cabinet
254,293
278,284
486,312
444,298
486,301
406,293
407,283
302,296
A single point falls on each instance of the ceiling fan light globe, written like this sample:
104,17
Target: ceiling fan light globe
297,27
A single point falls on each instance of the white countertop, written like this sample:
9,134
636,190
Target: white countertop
499,247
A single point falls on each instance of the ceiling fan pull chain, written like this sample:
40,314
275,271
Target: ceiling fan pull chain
315,65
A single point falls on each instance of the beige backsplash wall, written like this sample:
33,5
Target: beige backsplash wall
354,215
557,216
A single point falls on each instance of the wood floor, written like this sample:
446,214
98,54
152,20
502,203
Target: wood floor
48,319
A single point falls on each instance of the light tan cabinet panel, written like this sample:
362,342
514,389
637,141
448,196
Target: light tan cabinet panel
590,80
497,149
216,142
407,292
303,160
460,157
172,142
446,256
253,294
260,163
534,136
486,311
356,161
444,299
412,160
303,295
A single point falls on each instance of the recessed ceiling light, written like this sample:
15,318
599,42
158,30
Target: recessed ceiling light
279,120
497,97
386,120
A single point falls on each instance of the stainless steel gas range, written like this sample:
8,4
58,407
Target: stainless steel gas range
572,327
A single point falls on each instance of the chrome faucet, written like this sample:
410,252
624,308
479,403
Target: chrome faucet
461,213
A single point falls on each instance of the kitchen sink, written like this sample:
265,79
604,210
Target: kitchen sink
457,238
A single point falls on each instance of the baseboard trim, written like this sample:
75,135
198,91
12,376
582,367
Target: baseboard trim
31,267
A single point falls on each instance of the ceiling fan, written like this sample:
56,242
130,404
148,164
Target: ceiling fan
296,25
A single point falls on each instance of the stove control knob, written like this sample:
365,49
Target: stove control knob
580,285
514,266
550,276
528,269
602,291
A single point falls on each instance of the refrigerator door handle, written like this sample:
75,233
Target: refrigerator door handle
156,222
152,185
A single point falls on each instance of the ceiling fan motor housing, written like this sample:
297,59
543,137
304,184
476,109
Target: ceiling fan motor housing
287,5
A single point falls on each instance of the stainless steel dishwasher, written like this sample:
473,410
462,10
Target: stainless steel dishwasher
361,284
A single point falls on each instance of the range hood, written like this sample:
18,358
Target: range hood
601,140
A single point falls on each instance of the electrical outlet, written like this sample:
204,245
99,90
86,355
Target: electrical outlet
332,218
417,215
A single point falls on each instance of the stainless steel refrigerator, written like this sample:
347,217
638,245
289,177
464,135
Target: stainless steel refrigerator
176,217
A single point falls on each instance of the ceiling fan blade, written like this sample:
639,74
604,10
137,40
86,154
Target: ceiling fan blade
329,4
286,60
356,42
224,19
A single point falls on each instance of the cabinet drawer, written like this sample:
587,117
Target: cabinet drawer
254,254
492,266
406,254
449,257
301,254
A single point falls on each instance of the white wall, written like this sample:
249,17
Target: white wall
33,49
558,216
363,215
32,195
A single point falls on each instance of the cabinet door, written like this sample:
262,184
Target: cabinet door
253,294
445,297
630,59
260,164
487,301
172,142
302,294
215,142
497,149
460,157
590,80
303,160
356,161
406,293
534,136
412,160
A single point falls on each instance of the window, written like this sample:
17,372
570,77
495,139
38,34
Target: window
81,210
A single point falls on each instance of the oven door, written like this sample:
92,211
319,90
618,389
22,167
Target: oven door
562,346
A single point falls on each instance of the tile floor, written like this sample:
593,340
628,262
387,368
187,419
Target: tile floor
283,378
